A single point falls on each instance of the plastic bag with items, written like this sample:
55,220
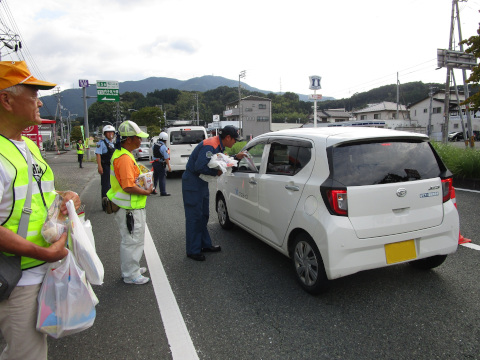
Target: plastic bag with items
56,223
66,301
219,161
83,248
145,180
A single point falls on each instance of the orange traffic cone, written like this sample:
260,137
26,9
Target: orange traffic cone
461,239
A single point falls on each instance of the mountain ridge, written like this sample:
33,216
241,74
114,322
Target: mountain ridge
72,99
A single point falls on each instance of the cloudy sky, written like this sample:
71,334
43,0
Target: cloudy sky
353,45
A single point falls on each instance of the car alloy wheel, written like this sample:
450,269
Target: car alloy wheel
308,265
222,212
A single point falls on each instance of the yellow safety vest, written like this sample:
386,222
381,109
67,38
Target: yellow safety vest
116,194
41,200
80,149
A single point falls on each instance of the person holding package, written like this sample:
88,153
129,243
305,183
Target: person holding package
19,109
131,198
161,160
103,153
195,191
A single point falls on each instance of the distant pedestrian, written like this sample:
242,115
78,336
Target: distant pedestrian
161,160
80,152
104,152
131,217
195,191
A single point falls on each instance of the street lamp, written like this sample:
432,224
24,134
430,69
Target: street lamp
240,122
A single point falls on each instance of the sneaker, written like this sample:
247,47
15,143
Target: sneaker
137,281
142,270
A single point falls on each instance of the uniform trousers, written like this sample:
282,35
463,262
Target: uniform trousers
105,179
197,211
18,319
131,245
160,177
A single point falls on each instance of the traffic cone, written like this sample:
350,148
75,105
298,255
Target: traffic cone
461,239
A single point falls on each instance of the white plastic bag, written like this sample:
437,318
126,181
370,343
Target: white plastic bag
222,162
66,301
55,225
83,249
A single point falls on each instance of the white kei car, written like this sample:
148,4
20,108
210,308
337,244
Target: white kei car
339,200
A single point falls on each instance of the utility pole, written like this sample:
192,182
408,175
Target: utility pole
58,112
465,85
430,93
240,122
447,82
456,60
398,94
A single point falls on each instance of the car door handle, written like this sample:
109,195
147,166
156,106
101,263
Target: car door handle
252,181
292,187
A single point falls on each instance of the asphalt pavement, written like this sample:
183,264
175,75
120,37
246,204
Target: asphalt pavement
244,302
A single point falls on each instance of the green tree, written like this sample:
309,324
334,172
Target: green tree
149,116
76,134
474,48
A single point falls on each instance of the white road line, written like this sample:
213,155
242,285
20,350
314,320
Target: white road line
468,190
178,337
471,246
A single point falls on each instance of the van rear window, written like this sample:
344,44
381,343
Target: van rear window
383,162
186,137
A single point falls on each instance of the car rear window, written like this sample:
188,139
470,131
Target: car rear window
186,137
383,162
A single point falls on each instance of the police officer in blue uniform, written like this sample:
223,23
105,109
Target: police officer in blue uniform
195,191
161,160
104,151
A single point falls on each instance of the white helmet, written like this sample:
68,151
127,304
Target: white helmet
163,136
108,128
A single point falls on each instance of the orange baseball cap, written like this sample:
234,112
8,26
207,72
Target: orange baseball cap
16,72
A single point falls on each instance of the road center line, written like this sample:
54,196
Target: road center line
178,337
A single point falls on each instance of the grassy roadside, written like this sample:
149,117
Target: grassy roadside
462,162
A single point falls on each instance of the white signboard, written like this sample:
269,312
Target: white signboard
315,97
216,118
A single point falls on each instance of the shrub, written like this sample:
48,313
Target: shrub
462,162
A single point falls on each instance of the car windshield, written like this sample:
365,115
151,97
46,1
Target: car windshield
186,136
383,162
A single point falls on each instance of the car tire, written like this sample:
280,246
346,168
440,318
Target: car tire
428,263
308,265
222,213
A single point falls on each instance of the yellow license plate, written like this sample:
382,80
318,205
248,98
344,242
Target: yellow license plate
400,251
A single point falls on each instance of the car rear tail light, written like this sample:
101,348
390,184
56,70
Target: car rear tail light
338,201
447,189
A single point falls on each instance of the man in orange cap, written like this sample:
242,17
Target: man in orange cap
21,166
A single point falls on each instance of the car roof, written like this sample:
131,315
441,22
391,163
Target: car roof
345,133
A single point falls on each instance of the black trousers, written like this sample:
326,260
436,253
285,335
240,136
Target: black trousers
80,159
105,179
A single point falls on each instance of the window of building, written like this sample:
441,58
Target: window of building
363,117
437,110
262,118
455,126
248,109
425,111
262,106
376,116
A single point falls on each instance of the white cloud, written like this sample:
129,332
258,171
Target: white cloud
354,45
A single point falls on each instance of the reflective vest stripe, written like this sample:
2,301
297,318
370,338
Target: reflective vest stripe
116,194
21,178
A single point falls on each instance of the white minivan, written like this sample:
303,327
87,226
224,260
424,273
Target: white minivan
181,142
